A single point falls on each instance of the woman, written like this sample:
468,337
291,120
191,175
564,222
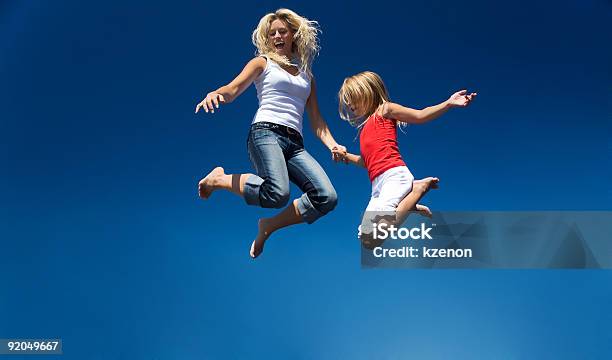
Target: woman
286,46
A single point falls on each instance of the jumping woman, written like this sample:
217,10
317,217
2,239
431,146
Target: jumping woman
286,46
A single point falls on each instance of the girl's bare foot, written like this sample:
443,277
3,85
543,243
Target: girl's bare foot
207,185
424,185
262,235
429,182
424,210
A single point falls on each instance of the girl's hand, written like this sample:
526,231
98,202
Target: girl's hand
461,99
211,99
339,153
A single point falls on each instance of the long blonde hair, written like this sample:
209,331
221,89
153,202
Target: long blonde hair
366,90
305,39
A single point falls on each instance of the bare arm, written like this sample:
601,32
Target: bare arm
317,123
319,126
414,116
356,160
229,92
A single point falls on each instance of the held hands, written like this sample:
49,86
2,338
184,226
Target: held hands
461,99
339,153
211,99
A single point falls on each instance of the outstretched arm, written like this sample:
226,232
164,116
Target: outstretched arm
319,126
356,160
414,116
229,92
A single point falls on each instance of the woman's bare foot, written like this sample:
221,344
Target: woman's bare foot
263,234
424,210
207,185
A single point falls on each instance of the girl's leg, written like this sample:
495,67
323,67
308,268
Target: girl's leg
366,233
410,202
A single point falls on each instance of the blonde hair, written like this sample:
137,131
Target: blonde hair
305,39
366,90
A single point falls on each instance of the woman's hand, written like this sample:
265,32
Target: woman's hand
228,93
339,153
461,99
211,99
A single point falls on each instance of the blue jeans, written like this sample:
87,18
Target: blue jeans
278,155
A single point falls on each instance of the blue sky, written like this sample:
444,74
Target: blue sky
106,245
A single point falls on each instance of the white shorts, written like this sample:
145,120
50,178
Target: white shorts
389,188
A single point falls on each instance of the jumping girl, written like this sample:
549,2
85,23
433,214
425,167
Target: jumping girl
364,102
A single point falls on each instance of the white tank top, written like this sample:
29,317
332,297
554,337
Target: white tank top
282,96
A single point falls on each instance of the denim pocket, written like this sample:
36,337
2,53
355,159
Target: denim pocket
262,136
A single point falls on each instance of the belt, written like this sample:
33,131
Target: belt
278,128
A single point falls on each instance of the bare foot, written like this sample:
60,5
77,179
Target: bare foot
433,182
426,184
424,210
262,235
207,185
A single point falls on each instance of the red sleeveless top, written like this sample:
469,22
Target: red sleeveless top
378,145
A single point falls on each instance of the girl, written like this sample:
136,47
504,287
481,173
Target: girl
364,96
286,46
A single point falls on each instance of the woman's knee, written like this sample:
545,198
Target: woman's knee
273,195
326,200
